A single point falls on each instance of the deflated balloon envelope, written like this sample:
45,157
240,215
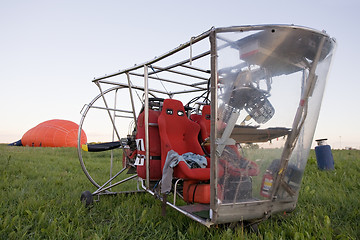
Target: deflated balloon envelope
53,133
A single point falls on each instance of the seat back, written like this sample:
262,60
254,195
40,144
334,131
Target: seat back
204,122
195,117
154,145
177,132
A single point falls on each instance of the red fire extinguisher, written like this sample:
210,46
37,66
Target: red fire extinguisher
266,184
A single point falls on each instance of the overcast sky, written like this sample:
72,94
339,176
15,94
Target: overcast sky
51,50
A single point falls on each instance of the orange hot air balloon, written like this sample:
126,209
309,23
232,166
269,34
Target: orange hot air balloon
53,133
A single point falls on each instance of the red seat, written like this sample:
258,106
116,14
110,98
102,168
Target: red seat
195,117
204,122
154,145
239,166
180,134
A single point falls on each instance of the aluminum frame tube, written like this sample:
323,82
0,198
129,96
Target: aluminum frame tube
112,109
115,184
131,96
108,111
109,181
180,73
134,87
246,28
181,47
191,216
167,80
146,116
195,68
213,133
186,91
201,55
112,137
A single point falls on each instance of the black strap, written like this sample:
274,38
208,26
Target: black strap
193,200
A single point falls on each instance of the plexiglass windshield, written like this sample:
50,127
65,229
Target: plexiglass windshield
269,90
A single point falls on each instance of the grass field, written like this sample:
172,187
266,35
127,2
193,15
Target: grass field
40,199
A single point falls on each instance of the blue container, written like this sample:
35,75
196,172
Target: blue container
324,157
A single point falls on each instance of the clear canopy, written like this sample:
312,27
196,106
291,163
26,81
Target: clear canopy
270,84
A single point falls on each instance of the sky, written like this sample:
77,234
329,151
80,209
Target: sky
51,50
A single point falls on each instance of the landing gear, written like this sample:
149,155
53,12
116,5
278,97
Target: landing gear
87,198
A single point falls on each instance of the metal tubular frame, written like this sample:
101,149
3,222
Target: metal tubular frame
133,86
146,118
131,96
213,132
185,61
169,81
107,109
264,206
113,136
100,189
192,216
112,109
115,184
195,68
84,113
181,73
148,63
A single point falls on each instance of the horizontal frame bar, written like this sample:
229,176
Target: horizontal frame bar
167,80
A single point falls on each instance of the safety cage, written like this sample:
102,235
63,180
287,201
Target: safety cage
219,128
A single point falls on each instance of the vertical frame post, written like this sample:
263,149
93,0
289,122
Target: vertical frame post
113,137
213,133
131,97
146,115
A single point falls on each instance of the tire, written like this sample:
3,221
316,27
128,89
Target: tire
87,198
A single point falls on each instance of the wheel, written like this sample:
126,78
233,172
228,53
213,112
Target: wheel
87,198
254,228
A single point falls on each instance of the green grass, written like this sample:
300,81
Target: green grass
40,190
